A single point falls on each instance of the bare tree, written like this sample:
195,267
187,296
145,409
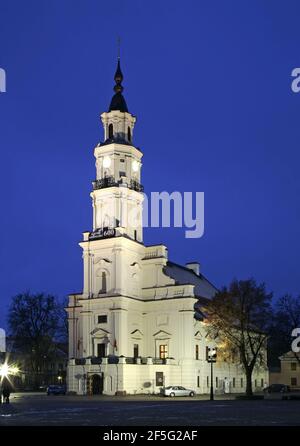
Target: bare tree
239,316
36,323
286,318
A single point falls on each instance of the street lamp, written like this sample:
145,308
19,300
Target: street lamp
211,357
6,370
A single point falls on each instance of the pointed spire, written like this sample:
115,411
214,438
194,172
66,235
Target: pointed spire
118,102
118,79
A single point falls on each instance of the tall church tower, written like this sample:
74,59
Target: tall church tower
117,193
111,250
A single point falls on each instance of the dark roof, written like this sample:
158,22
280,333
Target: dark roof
118,103
182,275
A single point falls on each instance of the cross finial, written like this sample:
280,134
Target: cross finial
119,46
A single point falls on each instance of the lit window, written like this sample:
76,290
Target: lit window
163,351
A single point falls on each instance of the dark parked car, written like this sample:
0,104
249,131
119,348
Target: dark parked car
277,388
281,392
56,390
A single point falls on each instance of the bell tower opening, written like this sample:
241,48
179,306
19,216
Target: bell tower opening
110,131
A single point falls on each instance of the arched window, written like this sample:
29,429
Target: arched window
110,131
129,134
103,283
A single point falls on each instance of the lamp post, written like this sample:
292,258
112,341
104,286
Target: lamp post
211,357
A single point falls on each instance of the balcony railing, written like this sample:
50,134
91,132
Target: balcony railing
104,182
96,360
112,359
111,182
135,185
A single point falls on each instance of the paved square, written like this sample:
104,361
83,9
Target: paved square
41,410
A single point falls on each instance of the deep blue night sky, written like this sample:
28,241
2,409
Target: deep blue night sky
210,85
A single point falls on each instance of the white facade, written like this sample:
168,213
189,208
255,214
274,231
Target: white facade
133,329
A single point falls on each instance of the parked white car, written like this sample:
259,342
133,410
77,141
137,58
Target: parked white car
177,391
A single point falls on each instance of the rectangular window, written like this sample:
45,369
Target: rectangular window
163,351
198,381
101,350
207,381
122,160
233,383
262,382
159,379
242,382
197,351
293,381
122,174
102,319
217,382
293,366
255,383
135,350
206,353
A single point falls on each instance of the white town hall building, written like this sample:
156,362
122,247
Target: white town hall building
134,327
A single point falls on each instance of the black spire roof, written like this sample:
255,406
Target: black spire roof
118,102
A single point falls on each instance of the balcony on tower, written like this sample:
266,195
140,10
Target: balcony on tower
135,185
110,181
104,182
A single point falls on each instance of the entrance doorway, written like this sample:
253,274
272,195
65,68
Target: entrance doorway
97,384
